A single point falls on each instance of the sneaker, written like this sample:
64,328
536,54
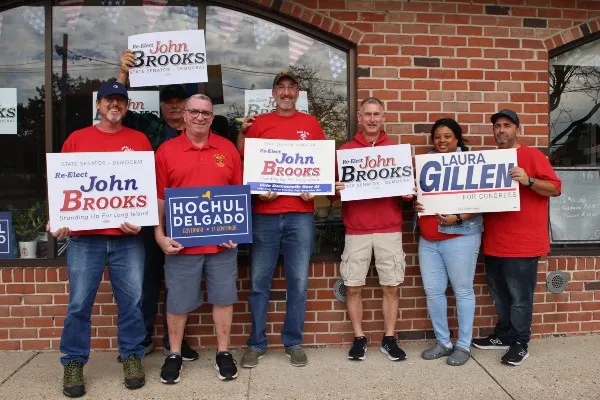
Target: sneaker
225,365
187,353
251,357
297,356
171,370
490,343
389,346
73,385
148,348
134,372
358,349
516,354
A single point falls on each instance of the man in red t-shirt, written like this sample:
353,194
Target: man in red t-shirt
513,243
89,251
372,225
197,157
280,222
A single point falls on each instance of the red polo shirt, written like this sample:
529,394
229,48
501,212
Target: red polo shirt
92,139
179,163
299,126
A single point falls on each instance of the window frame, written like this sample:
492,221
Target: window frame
580,249
270,15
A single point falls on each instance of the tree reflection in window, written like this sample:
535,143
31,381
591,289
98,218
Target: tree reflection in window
574,100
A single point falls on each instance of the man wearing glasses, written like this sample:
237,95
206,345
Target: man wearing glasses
158,130
91,250
280,222
197,157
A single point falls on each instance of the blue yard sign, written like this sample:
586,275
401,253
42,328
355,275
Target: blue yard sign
209,215
6,239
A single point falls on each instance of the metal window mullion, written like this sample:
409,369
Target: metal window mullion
48,97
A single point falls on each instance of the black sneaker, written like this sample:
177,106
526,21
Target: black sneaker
171,369
73,385
389,346
225,365
515,355
187,353
491,342
358,349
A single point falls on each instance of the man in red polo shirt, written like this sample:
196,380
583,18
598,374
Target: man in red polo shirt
513,243
280,222
197,157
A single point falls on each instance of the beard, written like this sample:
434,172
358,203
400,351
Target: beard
288,105
114,117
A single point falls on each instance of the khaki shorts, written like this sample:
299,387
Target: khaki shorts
389,258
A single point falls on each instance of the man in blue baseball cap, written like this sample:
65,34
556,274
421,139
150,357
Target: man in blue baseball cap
90,251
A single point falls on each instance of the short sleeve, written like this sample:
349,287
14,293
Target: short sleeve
544,171
162,179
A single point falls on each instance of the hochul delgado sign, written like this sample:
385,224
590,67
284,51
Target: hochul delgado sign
210,215
101,190
164,58
375,172
289,167
467,182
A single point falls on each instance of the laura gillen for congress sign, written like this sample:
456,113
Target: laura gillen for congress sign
209,215
467,182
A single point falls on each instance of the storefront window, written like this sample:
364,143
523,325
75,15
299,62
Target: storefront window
574,137
22,140
244,53
247,52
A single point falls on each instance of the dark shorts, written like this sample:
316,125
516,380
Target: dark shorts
183,275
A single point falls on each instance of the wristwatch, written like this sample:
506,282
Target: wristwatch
531,182
459,220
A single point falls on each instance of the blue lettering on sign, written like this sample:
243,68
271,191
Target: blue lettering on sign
445,176
209,215
6,239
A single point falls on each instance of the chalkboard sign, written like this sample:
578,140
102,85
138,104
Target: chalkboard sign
575,214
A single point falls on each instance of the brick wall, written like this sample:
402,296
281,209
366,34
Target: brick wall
425,60
33,303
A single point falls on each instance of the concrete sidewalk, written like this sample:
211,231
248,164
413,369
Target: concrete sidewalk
558,368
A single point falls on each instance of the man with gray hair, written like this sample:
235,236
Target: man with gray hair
197,157
373,225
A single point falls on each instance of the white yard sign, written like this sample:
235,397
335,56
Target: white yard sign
261,101
375,172
143,101
289,167
101,190
467,182
165,58
8,111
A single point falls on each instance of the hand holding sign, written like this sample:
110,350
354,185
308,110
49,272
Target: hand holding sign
167,245
518,174
130,229
229,245
269,196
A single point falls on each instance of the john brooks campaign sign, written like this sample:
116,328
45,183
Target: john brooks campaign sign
209,215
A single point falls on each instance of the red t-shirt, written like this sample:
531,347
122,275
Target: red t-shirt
179,163
522,233
92,139
428,226
299,126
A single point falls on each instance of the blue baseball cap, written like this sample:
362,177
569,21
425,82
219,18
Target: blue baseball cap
110,88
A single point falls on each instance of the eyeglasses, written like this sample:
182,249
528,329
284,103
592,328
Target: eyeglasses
194,113
283,87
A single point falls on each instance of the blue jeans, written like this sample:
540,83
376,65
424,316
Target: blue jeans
294,234
154,261
453,259
86,260
511,282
